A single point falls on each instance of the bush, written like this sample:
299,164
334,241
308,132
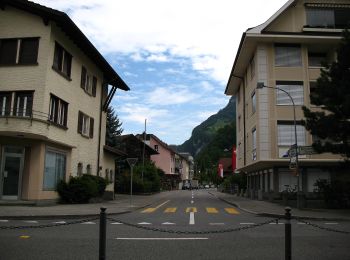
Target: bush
81,189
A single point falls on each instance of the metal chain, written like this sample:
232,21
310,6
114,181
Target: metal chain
194,232
50,225
321,227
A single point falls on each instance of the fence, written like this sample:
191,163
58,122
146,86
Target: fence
103,229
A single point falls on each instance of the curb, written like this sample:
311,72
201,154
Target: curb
274,215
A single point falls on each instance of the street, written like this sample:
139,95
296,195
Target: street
183,211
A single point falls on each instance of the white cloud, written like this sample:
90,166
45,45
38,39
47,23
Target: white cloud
137,113
157,58
163,96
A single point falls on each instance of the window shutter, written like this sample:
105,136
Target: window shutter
29,51
83,77
94,84
8,51
80,122
91,127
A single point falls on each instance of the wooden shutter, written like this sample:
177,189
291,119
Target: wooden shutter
94,84
91,127
8,51
80,122
83,77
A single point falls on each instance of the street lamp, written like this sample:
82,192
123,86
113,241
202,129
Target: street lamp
261,85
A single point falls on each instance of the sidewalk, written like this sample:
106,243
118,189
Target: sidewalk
120,205
265,208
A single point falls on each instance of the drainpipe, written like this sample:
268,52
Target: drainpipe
99,131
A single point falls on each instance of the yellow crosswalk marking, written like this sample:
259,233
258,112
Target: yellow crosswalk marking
212,210
191,209
170,210
149,210
231,211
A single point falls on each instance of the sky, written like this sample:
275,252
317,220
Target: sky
175,56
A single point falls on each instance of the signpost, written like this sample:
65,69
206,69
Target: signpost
131,162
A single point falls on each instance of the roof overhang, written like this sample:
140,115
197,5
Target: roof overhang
268,164
250,41
113,150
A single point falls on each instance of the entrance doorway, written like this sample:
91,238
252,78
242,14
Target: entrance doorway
11,173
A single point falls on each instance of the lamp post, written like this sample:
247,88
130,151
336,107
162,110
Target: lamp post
261,85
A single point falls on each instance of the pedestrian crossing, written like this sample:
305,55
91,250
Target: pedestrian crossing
209,210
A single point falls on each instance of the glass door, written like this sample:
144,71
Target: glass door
11,175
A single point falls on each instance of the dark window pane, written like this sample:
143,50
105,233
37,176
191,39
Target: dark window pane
23,103
316,59
342,18
320,17
29,51
8,51
5,103
67,63
57,61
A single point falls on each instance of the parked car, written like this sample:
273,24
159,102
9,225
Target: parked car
206,186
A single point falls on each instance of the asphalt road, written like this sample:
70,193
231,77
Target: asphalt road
183,211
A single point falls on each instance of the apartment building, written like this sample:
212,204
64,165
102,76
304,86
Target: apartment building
285,52
55,88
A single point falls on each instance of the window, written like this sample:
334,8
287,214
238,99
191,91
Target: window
286,133
5,103
88,82
295,90
62,61
55,169
316,59
58,111
22,51
252,68
287,55
23,103
85,125
254,144
313,86
156,147
253,102
328,18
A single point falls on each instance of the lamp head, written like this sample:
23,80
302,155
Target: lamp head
260,85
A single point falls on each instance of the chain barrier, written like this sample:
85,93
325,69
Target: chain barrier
50,225
193,232
321,227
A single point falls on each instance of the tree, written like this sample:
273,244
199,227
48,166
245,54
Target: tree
332,93
113,127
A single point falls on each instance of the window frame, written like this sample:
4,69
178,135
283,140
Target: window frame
5,103
27,103
284,84
56,110
19,52
62,61
85,125
61,176
253,100
88,82
285,59
254,144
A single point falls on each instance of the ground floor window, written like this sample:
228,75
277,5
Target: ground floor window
55,169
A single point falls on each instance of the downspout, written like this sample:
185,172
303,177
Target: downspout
99,131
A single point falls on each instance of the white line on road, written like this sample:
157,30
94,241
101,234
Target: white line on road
191,218
168,223
301,223
30,221
3,220
144,223
331,223
216,224
161,238
116,223
248,223
88,223
192,201
59,222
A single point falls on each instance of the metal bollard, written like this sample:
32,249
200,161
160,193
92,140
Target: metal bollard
102,242
288,234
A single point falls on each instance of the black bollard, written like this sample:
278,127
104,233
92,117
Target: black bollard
288,234
102,242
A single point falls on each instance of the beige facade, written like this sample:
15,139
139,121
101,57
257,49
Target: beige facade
284,52
59,120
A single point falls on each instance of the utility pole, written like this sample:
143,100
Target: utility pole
143,151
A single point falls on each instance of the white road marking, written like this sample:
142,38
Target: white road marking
191,218
331,223
60,222
301,223
168,223
88,223
116,223
3,220
216,224
144,223
192,201
161,238
30,221
248,223
274,223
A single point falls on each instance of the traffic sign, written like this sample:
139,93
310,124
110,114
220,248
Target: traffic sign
302,150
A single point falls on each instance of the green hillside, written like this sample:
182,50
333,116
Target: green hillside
204,133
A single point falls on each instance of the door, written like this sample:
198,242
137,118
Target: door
11,173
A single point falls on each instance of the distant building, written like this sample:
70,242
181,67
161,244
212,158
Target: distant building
53,101
285,52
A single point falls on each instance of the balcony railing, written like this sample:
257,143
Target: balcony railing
27,114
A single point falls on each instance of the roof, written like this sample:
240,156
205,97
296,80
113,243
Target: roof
124,139
63,21
113,150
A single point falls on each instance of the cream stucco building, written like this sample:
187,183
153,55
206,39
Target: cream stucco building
54,91
284,52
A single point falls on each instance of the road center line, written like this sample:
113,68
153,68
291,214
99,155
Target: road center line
191,218
162,204
161,238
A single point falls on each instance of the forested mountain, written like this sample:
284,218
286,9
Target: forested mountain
204,133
